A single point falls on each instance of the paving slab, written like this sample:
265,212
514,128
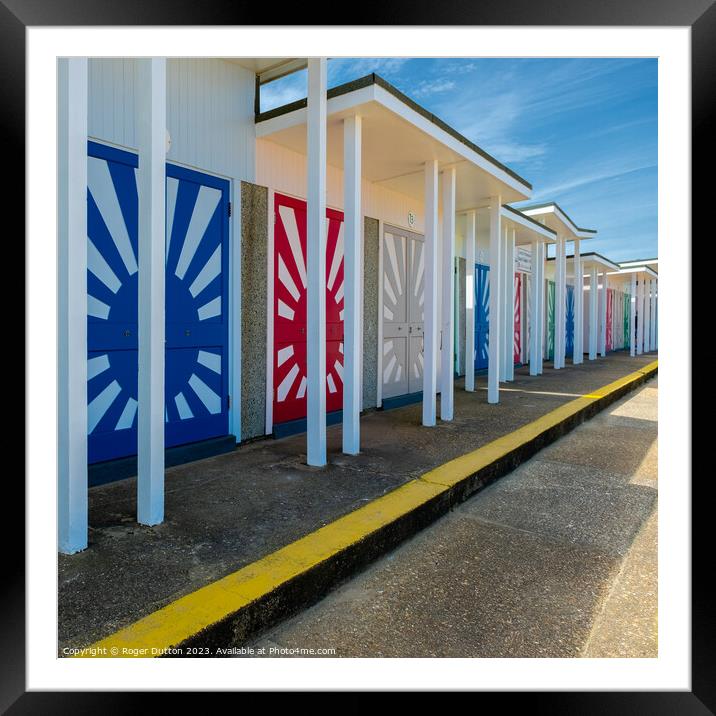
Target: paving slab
556,559
627,624
228,511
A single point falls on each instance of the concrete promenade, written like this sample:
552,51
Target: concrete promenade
557,559
229,511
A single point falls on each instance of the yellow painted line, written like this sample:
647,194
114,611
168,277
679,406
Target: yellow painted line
187,616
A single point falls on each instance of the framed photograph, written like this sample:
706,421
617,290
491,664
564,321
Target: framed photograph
342,353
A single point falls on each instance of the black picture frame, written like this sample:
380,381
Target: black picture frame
699,15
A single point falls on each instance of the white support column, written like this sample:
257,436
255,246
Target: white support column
654,284
470,239
151,134
493,361
72,305
509,336
632,316
447,379
316,264
430,329
603,315
640,317
560,301
593,313
647,316
535,333
501,308
542,303
578,354
352,128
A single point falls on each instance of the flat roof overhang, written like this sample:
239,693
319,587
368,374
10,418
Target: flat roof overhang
556,218
649,263
399,136
592,259
526,228
642,272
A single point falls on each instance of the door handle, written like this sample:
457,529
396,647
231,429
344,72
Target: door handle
127,332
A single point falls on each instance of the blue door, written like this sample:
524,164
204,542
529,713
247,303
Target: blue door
111,303
196,301
482,315
569,343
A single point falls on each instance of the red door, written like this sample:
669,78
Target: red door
289,311
518,319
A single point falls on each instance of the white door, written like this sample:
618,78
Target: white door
403,315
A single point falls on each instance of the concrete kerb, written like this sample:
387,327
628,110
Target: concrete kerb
243,604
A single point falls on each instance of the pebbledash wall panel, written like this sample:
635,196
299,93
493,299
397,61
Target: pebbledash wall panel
254,293
371,259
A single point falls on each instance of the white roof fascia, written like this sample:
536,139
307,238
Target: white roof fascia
629,264
554,209
636,269
543,231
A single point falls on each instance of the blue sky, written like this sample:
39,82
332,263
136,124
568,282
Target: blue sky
582,131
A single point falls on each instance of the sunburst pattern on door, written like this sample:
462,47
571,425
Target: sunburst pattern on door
482,315
195,285
403,312
196,293
569,322
112,279
550,320
290,282
517,321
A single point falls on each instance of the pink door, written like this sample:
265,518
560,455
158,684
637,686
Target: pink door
518,319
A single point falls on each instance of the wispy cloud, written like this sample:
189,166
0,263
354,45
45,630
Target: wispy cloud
583,180
429,87
346,69
516,152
